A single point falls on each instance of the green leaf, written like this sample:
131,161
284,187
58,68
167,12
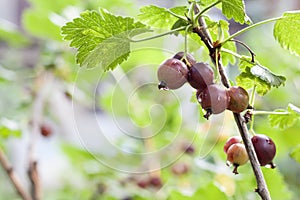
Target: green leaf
179,23
210,191
235,9
287,30
9,128
38,23
285,117
227,58
158,17
295,153
53,5
206,2
261,72
10,34
176,195
261,76
245,61
247,80
266,75
102,38
276,184
38,20
218,31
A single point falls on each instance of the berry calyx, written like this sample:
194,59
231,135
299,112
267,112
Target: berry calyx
239,99
237,155
232,140
200,76
265,149
189,60
172,74
213,99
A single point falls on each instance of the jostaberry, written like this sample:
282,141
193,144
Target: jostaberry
200,76
237,155
213,98
172,74
265,149
232,140
239,99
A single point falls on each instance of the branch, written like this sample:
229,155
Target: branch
43,84
262,189
13,177
35,180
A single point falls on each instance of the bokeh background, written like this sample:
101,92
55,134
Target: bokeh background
114,135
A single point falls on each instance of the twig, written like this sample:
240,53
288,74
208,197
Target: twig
43,86
247,47
34,180
262,189
13,177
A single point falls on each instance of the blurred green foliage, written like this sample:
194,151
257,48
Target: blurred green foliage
176,120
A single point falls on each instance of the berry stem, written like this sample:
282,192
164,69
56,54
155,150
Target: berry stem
252,100
186,43
262,112
158,36
247,47
206,9
262,188
178,16
248,28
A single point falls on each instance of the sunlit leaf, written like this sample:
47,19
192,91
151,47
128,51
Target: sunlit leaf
285,117
287,31
276,184
218,31
9,128
247,80
235,9
266,75
245,62
210,191
102,38
158,17
295,153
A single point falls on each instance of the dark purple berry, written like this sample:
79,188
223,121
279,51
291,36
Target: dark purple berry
200,76
265,149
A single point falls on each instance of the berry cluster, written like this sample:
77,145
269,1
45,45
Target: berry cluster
264,147
214,98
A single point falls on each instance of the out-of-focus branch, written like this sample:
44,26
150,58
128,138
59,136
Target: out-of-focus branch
43,84
34,180
13,177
